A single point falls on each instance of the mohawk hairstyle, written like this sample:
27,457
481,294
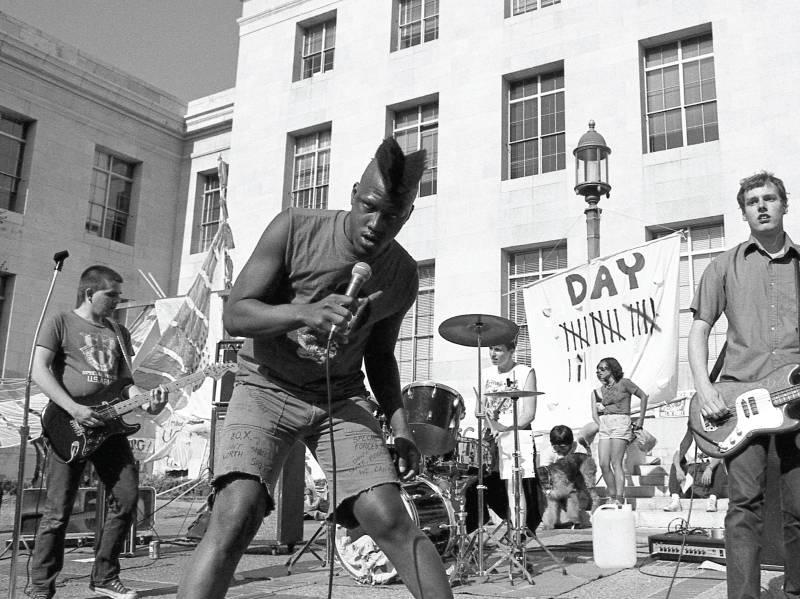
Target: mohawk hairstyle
400,172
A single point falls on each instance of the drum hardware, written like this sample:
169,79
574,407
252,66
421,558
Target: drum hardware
477,330
429,508
434,411
516,553
324,528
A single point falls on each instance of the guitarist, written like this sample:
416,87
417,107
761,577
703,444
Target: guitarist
79,353
755,285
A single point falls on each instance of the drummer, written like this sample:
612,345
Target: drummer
506,373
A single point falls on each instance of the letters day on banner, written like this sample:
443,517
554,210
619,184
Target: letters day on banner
624,306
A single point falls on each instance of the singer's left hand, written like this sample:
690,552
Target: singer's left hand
407,458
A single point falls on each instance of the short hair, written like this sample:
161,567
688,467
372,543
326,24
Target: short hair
614,367
759,180
96,278
561,434
511,344
400,172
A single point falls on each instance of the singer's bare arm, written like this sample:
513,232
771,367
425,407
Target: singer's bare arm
250,311
384,380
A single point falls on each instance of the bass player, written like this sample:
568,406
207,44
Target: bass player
755,285
79,353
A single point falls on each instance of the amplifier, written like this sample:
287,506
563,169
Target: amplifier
698,548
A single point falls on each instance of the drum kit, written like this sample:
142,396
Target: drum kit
435,499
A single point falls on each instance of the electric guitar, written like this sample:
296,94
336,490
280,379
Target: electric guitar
754,408
72,441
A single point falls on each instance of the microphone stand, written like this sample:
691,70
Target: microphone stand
24,432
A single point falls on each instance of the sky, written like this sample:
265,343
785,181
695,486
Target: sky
187,48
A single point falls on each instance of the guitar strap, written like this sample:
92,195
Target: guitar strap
122,345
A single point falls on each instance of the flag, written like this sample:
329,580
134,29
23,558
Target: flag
623,306
12,404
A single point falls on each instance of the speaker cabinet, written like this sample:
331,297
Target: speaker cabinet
284,526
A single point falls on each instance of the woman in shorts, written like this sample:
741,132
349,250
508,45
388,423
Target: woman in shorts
611,410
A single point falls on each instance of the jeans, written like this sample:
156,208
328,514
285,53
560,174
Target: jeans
719,481
744,520
117,469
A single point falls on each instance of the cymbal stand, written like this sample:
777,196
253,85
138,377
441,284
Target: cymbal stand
463,549
516,554
481,488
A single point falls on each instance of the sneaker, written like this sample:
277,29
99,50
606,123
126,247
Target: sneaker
711,504
40,595
114,589
674,506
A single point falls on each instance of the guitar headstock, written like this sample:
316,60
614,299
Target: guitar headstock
216,370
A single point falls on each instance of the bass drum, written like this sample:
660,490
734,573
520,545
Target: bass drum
428,508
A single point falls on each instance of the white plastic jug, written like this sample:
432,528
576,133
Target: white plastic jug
614,536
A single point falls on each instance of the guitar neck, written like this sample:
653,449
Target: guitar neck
784,396
127,405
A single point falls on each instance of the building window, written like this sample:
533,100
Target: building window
6,284
318,46
681,93
209,215
414,348
312,169
700,244
536,141
110,204
417,128
13,135
417,22
523,268
519,7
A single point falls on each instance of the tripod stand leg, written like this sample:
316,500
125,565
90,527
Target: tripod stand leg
558,562
307,546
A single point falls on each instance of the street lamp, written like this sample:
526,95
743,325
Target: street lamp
591,181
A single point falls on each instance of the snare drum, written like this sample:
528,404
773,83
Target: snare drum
434,411
428,508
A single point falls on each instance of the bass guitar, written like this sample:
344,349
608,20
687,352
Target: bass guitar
754,408
72,441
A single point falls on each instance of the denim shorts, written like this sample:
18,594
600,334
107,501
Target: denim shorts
263,423
615,426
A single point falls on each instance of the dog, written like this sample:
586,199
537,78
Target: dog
569,488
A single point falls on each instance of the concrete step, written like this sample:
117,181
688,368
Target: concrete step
653,470
650,514
659,503
632,491
639,480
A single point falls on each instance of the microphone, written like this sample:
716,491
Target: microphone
59,258
360,275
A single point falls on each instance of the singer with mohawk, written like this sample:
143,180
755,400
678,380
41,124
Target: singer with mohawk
304,322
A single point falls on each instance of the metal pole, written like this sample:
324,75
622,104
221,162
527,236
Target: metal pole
24,432
592,213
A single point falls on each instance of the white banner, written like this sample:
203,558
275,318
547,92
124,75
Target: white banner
623,306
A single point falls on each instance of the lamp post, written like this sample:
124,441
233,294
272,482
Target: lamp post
591,181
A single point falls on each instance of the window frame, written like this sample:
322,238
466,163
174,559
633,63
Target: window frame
515,281
324,50
528,6
208,205
535,165
16,177
111,160
421,126
319,191
684,45
402,21
691,251
411,320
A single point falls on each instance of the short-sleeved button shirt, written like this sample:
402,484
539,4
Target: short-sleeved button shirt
758,295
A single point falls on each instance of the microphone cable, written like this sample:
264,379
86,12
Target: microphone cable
333,494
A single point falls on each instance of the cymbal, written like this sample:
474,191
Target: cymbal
467,329
513,393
